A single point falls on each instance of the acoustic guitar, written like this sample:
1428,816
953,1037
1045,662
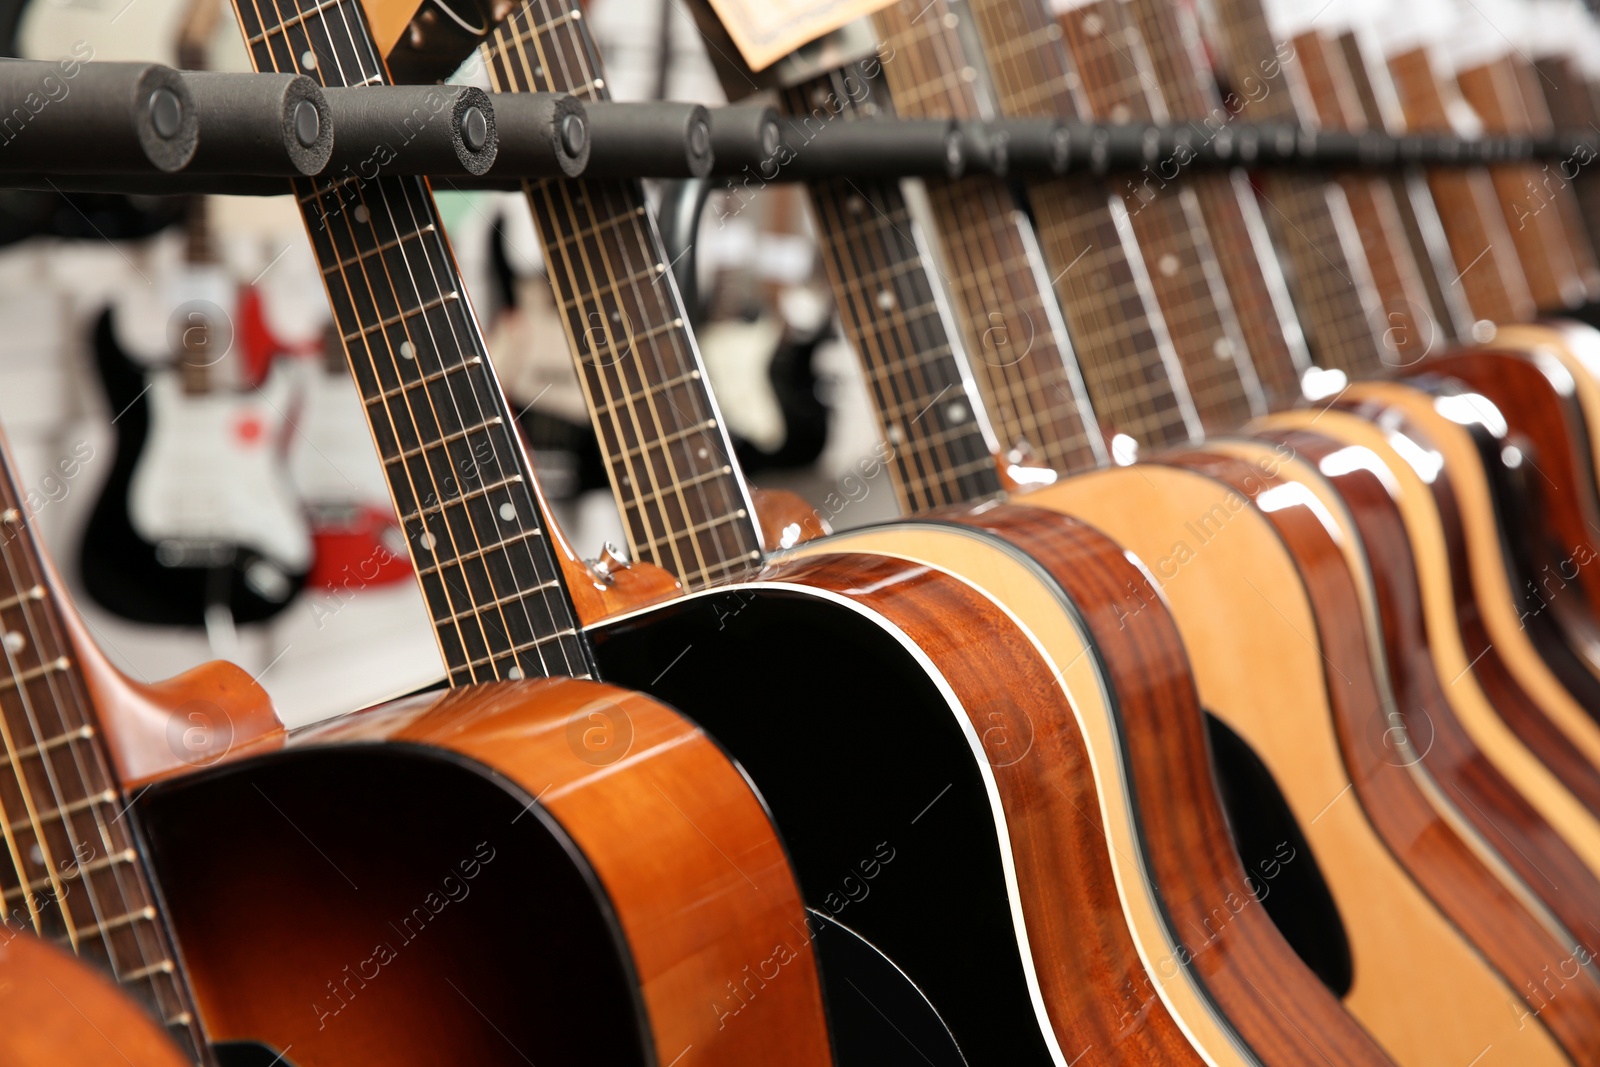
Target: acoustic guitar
874,338
55,1010
686,506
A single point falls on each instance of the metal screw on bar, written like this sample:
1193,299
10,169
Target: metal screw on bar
166,113
474,129
770,139
307,123
700,137
574,135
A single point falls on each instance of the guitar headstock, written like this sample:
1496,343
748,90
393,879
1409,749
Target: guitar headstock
425,42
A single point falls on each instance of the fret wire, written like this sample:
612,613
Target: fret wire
464,337
921,350
66,696
636,237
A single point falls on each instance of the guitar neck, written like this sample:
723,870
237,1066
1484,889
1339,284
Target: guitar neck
1022,359
893,314
1177,76
1556,257
1570,101
1377,108
459,478
1412,329
1127,358
75,874
1186,277
684,501
1340,308
1487,269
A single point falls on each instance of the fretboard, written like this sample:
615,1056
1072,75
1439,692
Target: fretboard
1419,215
1020,353
1571,105
893,314
1116,84
1126,355
1487,269
1558,264
73,872
1339,306
1250,268
683,499
1411,330
460,482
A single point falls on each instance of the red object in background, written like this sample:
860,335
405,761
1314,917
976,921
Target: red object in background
356,547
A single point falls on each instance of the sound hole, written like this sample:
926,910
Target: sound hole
1295,897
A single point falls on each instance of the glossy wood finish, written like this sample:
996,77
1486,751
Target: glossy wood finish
1568,736
1096,614
1418,986
54,1010
1536,395
1478,671
677,852
1453,867
1423,730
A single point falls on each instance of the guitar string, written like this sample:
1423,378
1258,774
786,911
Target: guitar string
483,549
628,491
923,334
912,358
701,541
455,616
939,77
41,838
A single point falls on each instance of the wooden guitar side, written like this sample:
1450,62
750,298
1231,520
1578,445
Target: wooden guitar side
1574,751
577,814
1424,730
54,1010
1501,721
1419,987
1492,906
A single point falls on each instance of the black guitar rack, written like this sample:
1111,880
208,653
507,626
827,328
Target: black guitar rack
145,128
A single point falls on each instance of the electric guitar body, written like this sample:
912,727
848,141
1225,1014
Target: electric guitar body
197,511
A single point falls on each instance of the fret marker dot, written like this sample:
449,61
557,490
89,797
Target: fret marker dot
951,21
855,205
308,60
896,435
362,214
10,515
14,642
1168,265
515,673
427,541
36,854
703,452
969,74
956,413
1120,113
885,299
1483,331
1223,349
1092,25
407,350
508,511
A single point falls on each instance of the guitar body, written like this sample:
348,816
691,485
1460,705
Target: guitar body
197,511
1254,637
57,1012
1438,723
602,923
1466,464
966,706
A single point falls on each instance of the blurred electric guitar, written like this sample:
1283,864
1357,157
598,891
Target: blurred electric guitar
198,516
